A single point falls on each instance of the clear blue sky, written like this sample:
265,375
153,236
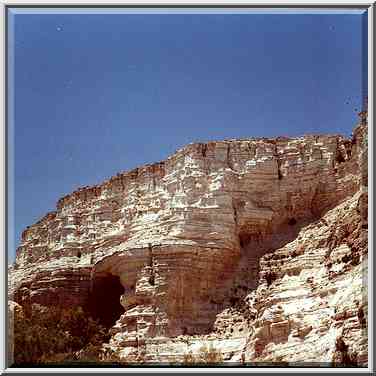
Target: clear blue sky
95,94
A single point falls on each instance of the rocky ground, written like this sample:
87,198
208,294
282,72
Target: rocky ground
255,248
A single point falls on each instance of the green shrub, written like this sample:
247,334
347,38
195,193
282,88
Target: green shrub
56,335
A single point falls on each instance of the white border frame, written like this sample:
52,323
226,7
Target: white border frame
228,3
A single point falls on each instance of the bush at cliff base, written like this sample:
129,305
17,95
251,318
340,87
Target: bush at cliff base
55,335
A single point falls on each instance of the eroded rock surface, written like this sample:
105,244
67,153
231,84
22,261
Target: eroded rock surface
256,246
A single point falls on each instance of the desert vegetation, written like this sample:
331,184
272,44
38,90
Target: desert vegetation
206,355
54,335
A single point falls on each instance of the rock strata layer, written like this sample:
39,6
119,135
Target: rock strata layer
257,247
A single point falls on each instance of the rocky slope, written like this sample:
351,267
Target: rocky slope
255,246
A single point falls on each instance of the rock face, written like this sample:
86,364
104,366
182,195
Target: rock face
255,246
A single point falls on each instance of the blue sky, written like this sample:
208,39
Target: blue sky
91,95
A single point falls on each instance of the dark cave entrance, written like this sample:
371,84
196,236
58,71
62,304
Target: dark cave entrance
104,299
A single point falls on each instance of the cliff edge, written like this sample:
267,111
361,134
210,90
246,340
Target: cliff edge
257,247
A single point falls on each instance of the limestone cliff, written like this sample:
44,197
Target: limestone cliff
257,246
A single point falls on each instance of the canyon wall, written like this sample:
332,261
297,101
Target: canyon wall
257,246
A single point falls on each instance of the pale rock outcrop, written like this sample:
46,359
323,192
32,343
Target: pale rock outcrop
316,295
13,308
257,246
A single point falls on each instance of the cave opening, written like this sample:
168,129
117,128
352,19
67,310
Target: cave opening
104,299
292,222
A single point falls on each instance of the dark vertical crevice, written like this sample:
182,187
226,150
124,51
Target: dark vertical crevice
235,216
235,210
229,162
279,171
280,176
348,147
122,182
339,158
154,182
150,258
204,148
151,265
